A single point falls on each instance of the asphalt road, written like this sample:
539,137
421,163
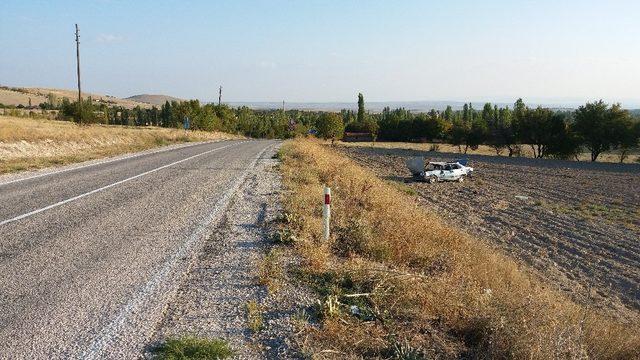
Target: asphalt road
89,257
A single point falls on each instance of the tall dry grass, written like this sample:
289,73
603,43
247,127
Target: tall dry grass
31,143
398,282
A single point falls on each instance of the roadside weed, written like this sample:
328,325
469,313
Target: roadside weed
188,348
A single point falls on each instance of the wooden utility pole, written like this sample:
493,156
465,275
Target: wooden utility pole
78,63
220,96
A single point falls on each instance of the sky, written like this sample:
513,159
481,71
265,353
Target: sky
558,51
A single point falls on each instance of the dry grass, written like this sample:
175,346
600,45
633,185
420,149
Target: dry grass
270,270
397,282
30,143
610,156
255,320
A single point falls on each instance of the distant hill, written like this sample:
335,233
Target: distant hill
377,107
20,96
153,99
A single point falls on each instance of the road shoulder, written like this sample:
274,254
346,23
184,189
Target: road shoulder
225,295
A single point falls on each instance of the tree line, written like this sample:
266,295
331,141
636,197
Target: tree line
595,127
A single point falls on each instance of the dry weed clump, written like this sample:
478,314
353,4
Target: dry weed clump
397,280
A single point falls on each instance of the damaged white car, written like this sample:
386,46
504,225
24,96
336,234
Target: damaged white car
435,171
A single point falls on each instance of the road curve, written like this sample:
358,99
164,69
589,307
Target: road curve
89,257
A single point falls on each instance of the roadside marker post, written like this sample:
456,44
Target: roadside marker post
186,123
326,212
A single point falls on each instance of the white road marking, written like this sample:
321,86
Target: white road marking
111,332
102,162
19,217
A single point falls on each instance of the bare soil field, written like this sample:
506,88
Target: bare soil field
578,227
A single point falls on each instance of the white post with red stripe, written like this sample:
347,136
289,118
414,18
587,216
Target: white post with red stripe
326,211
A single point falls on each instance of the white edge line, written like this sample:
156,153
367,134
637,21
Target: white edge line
110,331
19,217
107,161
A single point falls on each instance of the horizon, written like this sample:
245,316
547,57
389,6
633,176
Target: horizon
316,52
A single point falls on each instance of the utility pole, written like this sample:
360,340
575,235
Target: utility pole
78,63
282,105
220,95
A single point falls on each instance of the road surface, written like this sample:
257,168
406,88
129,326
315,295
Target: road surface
89,257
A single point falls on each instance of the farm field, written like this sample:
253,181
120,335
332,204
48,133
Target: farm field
578,228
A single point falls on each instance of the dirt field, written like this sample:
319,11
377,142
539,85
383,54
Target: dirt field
579,227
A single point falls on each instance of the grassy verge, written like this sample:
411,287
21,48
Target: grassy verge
31,143
396,282
192,348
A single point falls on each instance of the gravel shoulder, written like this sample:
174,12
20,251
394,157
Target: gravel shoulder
577,226
212,299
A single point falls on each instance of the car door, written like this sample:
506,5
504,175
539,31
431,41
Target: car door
447,173
457,171
454,172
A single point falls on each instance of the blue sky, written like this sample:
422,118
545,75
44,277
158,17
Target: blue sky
326,51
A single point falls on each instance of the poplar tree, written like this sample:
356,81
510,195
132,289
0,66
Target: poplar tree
360,108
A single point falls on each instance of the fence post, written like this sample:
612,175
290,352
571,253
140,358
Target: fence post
326,211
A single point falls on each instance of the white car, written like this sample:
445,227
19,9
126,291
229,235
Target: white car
439,171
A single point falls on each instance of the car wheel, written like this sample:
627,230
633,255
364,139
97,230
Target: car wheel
461,179
433,180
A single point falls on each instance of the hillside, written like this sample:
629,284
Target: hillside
152,99
20,96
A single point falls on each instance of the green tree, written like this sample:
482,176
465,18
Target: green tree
597,125
448,113
361,114
459,133
626,135
535,127
330,126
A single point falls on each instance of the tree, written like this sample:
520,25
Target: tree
458,134
626,135
477,134
508,131
165,115
487,113
536,127
597,123
330,126
371,126
361,114
561,141
448,113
